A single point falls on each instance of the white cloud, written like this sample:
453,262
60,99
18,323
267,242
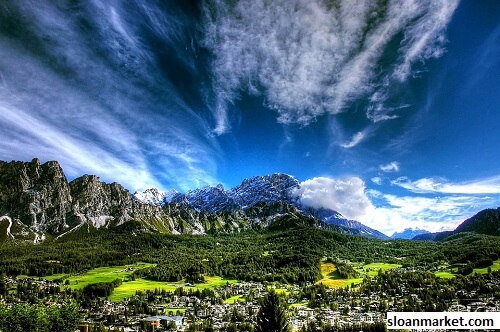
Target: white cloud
221,120
390,167
355,140
377,180
433,214
345,196
438,185
311,58
388,213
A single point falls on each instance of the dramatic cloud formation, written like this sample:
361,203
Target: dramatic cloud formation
94,99
315,57
182,94
436,185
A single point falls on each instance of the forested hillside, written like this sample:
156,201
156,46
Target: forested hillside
287,255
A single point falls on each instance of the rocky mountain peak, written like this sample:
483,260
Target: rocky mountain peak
100,202
36,193
267,188
208,198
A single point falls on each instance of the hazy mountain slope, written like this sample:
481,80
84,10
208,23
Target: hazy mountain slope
334,218
484,222
409,233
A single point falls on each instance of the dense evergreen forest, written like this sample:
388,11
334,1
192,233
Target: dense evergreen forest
285,255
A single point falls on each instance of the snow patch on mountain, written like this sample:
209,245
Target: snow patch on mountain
71,230
155,197
268,188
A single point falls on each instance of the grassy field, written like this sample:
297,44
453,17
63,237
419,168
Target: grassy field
450,272
174,310
128,286
330,279
333,280
233,299
212,282
373,268
494,267
128,289
101,274
444,274
280,290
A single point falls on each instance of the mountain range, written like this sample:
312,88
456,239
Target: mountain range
268,189
37,201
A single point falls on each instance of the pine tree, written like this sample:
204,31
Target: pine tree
272,315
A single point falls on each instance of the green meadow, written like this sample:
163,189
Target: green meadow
333,280
494,267
175,310
233,299
101,274
373,268
450,272
129,287
444,274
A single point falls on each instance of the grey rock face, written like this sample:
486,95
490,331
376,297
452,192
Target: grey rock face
270,189
38,195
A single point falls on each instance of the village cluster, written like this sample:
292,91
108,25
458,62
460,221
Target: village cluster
234,304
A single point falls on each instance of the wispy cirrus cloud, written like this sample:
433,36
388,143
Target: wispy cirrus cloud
438,185
390,167
310,58
355,140
80,84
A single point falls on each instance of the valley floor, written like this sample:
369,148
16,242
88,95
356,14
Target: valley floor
223,303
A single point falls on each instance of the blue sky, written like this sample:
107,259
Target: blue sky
386,111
